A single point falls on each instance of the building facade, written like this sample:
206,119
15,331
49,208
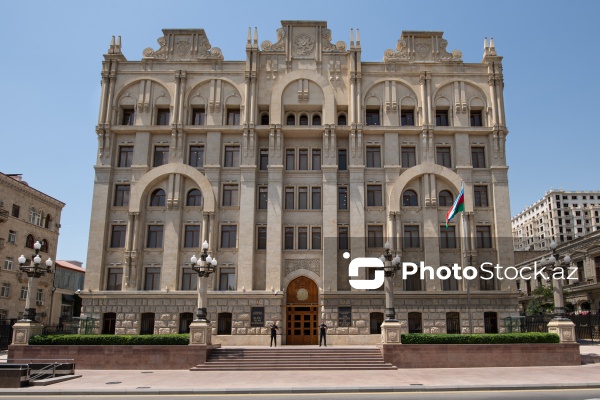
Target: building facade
26,216
283,162
69,280
559,216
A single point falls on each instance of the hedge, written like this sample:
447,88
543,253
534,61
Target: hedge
111,340
504,338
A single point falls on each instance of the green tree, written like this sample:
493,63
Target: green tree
542,302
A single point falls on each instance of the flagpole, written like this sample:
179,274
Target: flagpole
465,264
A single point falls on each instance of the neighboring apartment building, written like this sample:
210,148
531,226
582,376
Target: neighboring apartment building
69,280
26,216
283,162
560,216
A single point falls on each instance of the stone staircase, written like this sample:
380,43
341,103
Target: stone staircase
288,358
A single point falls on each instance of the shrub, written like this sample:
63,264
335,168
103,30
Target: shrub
504,338
100,340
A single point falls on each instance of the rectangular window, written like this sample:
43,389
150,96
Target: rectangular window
342,160
289,198
372,116
447,237
39,297
441,117
262,238
230,195
162,116
302,238
232,156
478,157
374,196
316,159
411,237
316,198
128,116
198,116
343,238
233,116
121,196
196,156
302,198
289,238
407,117
192,236
484,237
303,159
263,196
15,210
5,290
125,156
152,279
443,157
373,157
114,279
375,236
12,237
117,237
155,236
476,118
8,263
481,196
229,236
161,155
342,198
227,279
290,159
189,279
316,238
23,294
409,157
264,159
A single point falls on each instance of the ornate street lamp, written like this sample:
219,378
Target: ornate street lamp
33,270
553,263
390,266
204,266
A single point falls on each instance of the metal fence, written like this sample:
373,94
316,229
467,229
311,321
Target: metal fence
587,325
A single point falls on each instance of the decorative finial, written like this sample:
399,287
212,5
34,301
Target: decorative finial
485,45
351,37
255,35
357,37
119,41
112,41
492,45
249,35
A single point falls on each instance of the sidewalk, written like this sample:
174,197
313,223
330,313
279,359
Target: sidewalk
188,382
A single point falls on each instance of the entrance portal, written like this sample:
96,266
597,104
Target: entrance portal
302,311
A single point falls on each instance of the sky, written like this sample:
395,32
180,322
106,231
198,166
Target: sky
50,78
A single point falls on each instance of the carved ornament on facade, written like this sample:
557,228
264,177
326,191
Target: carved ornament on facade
309,264
279,46
303,45
178,48
329,47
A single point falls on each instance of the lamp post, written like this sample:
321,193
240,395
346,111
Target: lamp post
28,327
200,329
390,328
560,325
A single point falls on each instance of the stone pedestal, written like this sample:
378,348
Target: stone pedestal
390,332
564,328
23,330
200,332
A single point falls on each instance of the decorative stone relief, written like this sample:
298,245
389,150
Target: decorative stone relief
279,46
188,45
421,46
310,264
303,45
329,47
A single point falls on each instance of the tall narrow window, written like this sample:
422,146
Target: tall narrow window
158,198
342,198
475,117
342,120
407,117
289,198
441,117
114,279
375,321
230,195
411,237
189,279
316,120
161,155
453,323
264,119
302,238
224,324
447,237
29,241
185,319
44,248
290,120
304,119
484,237
264,159
233,116
410,199
490,321
227,279
316,159
415,324
303,159
261,243
373,157
15,210
481,196
147,325
108,323
288,242
450,283
478,157
290,159
343,238
194,198
372,116
192,236
263,196
155,236
162,116
409,157
125,156
152,279
316,238
232,156
117,237
229,236
442,155
374,196
128,116
302,198
375,236
198,116
196,156
342,159
316,198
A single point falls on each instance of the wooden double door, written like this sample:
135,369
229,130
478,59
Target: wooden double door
302,312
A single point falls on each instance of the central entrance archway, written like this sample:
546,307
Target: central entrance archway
302,311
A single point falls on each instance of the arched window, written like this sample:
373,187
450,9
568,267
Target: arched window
415,324
409,199
157,198
342,119
290,120
316,119
445,199
224,324
29,242
264,119
194,198
47,221
44,247
303,119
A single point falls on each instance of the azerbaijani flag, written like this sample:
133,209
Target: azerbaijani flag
458,206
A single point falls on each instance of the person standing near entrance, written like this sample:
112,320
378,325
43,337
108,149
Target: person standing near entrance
322,333
274,329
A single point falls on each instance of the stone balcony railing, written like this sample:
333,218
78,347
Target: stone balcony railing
3,215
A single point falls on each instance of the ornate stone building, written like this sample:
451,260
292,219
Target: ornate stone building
283,162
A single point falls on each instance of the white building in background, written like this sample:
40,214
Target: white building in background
560,215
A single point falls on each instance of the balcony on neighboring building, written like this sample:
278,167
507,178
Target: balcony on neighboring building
3,214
